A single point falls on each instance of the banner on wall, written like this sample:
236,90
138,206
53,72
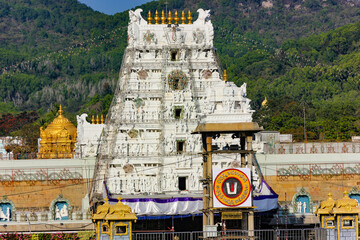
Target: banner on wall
232,187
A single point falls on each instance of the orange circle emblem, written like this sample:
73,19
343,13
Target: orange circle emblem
232,187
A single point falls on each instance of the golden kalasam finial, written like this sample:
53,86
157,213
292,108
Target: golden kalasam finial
329,195
169,18
93,120
264,102
156,17
183,18
163,18
102,119
149,18
97,119
189,18
119,198
176,18
60,110
225,75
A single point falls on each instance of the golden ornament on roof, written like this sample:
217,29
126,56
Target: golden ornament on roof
189,18
183,18
264,102
58,139
149,18
101,211
169,18
176,18
225,75
163,18
156,18
346,205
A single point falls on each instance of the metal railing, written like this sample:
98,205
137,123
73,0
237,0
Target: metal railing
270,234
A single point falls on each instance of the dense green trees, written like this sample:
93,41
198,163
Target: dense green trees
61,51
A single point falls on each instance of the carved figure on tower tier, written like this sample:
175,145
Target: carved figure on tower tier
170,61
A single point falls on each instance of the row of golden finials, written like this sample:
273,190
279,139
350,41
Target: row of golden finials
169,18
97,121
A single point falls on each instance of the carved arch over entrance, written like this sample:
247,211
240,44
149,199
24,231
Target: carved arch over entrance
295,201
63,202
7,208
354,194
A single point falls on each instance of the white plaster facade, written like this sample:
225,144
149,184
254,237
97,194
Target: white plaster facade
88,137
170,81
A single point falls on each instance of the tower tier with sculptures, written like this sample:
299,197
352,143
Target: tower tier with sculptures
170,81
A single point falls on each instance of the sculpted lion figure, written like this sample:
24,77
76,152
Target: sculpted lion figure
204,16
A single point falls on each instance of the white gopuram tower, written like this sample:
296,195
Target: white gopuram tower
170,81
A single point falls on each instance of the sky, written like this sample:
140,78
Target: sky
113,6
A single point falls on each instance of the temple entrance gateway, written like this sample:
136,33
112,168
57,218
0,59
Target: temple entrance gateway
170,82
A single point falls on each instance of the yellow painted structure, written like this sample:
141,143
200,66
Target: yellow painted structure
341,217
58,139
113,222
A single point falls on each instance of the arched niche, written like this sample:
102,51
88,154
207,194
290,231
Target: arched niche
60,208
355,194
302,202
7,210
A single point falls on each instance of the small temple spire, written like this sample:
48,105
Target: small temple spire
163,18
60,110
169,18
149,18
189,18
156,18
225,76
264,102
93,120
102,119
97,119
176,18
183,18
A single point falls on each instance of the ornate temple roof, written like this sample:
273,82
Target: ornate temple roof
345,205
58,139
59,124
101,211
326,206
119,211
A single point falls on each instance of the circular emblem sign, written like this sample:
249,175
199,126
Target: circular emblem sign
232,187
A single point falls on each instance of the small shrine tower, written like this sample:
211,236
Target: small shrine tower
113,222
58,139
340,217
228,134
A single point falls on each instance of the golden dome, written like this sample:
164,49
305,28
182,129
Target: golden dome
101,211
59,124
120,211
346,205
58,139
326,206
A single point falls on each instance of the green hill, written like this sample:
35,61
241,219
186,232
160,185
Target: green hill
294,52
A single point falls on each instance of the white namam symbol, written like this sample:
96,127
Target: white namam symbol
230,187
